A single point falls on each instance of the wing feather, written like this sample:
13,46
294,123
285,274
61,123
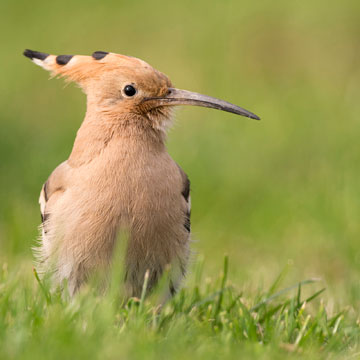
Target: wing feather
186,195
54,186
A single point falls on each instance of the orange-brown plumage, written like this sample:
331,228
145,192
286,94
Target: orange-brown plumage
119,176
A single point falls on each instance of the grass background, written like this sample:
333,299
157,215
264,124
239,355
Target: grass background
281,191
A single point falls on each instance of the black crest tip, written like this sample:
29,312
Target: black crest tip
63,59
98,55
31,54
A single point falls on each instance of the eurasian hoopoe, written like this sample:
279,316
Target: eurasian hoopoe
119,175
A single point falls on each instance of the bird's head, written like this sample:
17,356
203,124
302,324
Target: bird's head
123,86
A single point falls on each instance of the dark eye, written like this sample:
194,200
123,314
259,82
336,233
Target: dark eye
129,90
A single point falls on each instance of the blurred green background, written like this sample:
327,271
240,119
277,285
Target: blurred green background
282,190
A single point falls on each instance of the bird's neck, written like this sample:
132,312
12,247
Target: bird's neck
100,128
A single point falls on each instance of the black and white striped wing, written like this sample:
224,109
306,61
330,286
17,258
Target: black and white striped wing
50,193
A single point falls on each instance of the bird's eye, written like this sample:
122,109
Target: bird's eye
129,90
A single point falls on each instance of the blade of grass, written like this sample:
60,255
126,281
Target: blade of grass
302,331
42,287
312,297
143,291
278,280
283,291
223,282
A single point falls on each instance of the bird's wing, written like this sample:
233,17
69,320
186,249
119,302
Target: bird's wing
186,195
186,208
51,191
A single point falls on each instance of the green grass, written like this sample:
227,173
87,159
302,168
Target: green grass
209,318
281,191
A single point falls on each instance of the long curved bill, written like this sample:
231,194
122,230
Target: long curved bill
184,97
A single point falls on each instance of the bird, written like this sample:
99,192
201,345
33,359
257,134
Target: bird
119,177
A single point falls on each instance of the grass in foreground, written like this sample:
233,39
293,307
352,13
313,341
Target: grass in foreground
209,318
